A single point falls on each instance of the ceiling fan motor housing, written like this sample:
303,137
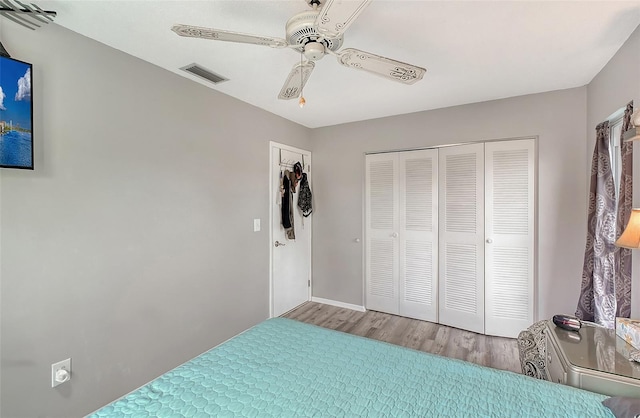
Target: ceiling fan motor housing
300,31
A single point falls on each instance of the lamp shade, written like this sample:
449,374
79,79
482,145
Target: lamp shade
630,237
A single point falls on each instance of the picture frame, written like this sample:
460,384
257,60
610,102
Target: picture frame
16,114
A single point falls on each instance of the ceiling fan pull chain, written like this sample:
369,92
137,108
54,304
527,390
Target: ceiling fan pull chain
302,101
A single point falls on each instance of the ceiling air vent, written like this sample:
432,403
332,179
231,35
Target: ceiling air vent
202,72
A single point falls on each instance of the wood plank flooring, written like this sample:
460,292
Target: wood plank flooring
496,352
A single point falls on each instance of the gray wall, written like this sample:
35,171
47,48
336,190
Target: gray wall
558,118
611,89
130,247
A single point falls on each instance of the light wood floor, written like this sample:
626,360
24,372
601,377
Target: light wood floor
496,352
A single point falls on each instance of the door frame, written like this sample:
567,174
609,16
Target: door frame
272,196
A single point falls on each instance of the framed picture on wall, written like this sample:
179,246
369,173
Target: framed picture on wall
16,114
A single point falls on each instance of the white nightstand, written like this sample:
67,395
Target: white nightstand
593,359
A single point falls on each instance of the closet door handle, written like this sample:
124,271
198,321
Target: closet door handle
395,235
278,244
489,240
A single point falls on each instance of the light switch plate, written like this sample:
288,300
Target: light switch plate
256,225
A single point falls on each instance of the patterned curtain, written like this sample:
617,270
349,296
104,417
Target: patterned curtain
597,300
625,201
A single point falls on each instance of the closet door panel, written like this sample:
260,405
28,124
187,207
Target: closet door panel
382,246
509,229
418,275
461,237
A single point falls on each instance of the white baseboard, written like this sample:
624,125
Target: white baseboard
339,304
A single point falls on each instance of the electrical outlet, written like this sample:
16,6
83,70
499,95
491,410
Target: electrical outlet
60,372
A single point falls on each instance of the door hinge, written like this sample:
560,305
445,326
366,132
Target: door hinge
309,283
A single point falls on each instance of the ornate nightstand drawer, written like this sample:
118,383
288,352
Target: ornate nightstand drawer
554,367
610,385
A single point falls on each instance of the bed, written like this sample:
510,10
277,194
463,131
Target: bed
285,368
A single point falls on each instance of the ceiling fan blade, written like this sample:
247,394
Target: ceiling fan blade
336,16
296,80
386,67
228,36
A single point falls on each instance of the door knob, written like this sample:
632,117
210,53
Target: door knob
395,235
278,244
489,240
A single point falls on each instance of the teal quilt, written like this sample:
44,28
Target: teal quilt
285,368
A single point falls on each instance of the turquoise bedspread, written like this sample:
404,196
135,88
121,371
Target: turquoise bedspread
285,368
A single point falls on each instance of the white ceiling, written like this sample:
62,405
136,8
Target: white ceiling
473,51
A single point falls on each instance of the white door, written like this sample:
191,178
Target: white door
382,238
418,190
509,236
290,258
461,214
402,233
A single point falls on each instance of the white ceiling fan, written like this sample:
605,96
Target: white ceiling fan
316,33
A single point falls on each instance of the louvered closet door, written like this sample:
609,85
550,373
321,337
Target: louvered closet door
418,280
382,247
509,230
461,214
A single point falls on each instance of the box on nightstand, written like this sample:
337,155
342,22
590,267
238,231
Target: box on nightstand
629,330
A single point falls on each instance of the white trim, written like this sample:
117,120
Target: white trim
617,115
339,304
288,148
270,220
364,237
481,141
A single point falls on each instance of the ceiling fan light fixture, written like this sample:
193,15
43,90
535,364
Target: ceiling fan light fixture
313,51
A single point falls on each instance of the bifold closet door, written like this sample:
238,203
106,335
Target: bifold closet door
382,243
402,233
461,213
418,276
509,232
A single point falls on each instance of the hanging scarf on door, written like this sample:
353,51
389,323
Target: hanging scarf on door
304,196
288,184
